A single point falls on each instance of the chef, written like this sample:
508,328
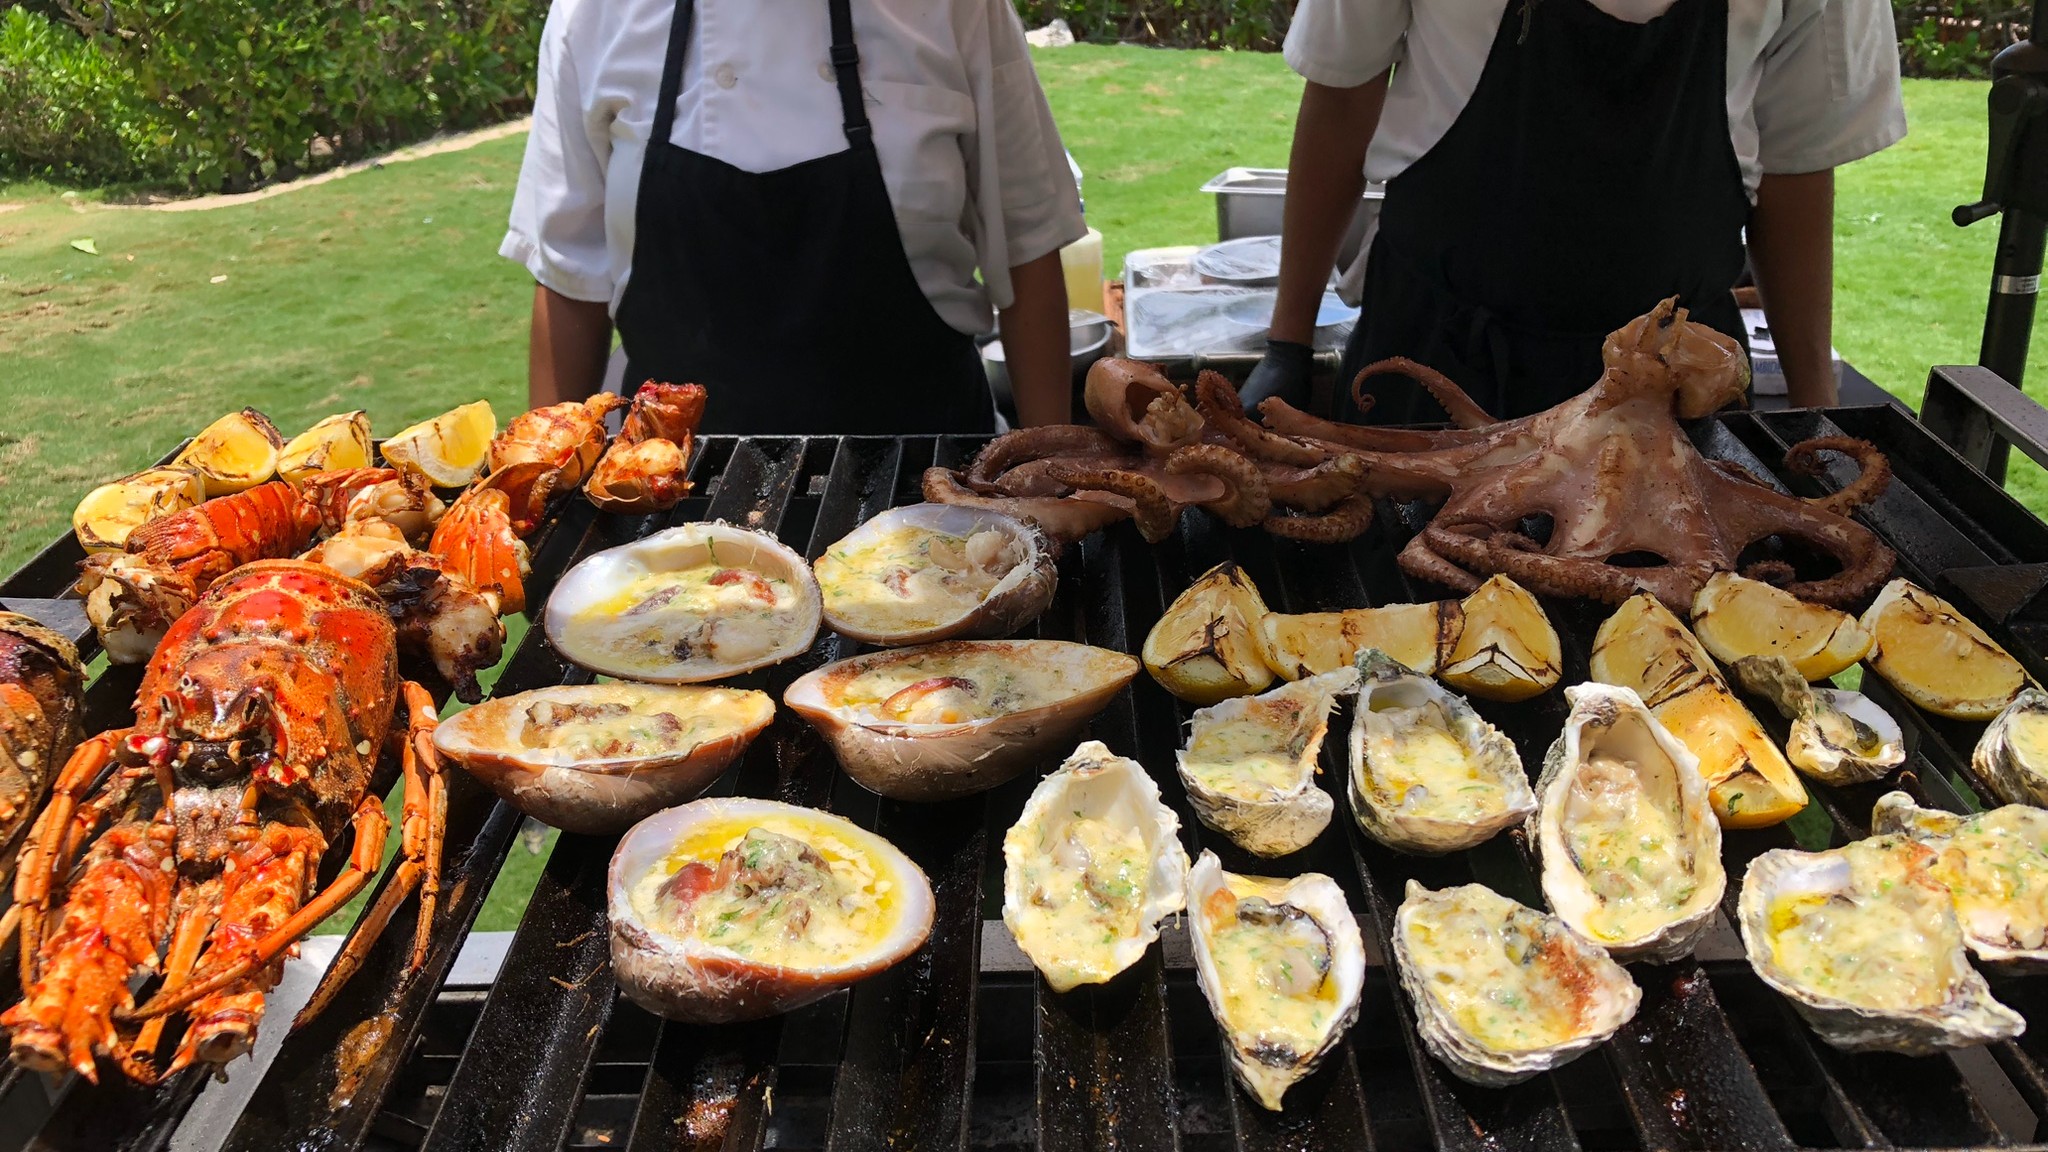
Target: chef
1554,168
788,201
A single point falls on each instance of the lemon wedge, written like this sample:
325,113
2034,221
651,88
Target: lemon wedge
1506,649
1207,646
1937,657
1734,617
448,450
1312,643
110,512
235,452
337,442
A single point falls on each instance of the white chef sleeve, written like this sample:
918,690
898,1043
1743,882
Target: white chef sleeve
557,227
1344,43
1021,192
1829,93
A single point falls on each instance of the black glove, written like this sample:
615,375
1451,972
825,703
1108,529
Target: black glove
1283,372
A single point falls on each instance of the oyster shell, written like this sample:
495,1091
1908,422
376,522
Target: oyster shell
1631,850
1863,940
930,572
1937,657
955,718
1995,867
1428,774
1501,991
2012,755
1250,764
596,758
694,603
1091,868
1281,964
736,908
1838,736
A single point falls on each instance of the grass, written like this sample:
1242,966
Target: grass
383,291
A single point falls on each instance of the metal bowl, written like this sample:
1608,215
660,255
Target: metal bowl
1088,336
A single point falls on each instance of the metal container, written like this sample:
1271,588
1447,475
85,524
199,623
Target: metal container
1249,202
1088,335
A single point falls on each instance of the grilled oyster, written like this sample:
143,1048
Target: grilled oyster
596,758
735,909
1994,865
1428,774
695,603
1864,941
1501,991
1281,964
1250,764
1091,868
1937,657
955,718
42,704
2012,755
930,572
1631,850
1838,736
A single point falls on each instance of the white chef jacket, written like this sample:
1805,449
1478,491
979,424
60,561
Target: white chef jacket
1812,84
973,163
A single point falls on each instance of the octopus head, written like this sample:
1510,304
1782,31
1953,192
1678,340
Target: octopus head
1664,351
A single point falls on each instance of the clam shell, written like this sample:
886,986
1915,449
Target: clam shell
1374,749
2012,755
1094,784
694,981
601,795
1995,866
1967,1015
1574,969
1266,1068
1016,600
1264,819
583,619
908,761
1605,718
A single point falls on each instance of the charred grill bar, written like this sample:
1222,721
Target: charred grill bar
963,1046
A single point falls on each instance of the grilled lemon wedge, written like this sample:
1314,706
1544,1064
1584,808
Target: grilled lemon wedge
1734,616
448,450
110,512
1937,657
337,442
1207,646
1507,649
235,452
1312,643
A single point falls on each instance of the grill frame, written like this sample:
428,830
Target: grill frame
1712,1060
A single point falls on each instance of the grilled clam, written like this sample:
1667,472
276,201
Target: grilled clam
1994,865
42,702
958,717
2012,755
1631,850
1428,774
1091,868
1250,764
1937,657
1838,737
1281,964
694,603
597,758
1501,991
936,572
735,909
1863,940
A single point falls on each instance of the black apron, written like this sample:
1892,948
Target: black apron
787,294
1590,176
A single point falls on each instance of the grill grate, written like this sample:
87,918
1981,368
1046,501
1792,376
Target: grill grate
963,1046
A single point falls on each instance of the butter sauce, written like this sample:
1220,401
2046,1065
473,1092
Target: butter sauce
1415,763
1877,932
914,577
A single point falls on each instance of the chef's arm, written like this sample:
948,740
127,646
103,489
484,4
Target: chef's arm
568,348
1035,348
1792,250
1325,177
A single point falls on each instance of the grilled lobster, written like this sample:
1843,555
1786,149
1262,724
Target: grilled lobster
644,469
42,697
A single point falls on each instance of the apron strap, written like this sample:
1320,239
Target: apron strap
846,64
672,74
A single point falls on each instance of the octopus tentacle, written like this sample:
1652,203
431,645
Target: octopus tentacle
1475,547
1465,412
1350,517
1154,512
1063,519
1026,444
1314,489
1220,406
1245,500
1421,562
1876,472
1284,418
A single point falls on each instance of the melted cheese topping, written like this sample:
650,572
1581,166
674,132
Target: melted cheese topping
582,730
1084,892
1416,764
707,613
949,688
1995,865
1499,973
912,577
850,909
1255,756
1278,990
1626,837
2028,737
1884,938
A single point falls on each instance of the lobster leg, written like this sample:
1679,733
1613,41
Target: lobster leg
46,855
264,889
419,857
200,906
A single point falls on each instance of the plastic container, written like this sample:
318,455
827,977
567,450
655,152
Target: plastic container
1081,262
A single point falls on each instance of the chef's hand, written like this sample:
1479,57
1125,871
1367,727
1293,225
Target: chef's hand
1284,372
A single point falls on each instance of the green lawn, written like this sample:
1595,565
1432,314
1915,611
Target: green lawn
383,290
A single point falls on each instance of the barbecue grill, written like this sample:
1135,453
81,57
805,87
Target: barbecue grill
963,1046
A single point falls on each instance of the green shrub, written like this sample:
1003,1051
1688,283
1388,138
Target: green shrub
237,92
1243,24
1955,38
